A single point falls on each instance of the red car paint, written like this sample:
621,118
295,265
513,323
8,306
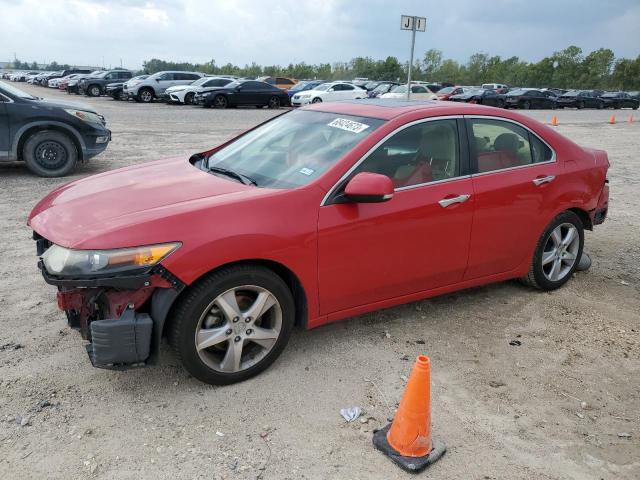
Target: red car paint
349,258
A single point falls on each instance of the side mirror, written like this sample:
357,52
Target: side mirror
331,90
238,88
158,80
368,187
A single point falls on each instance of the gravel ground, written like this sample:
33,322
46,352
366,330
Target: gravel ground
563,405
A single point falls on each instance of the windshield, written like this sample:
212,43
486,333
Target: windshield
572,93
517,92
610,95
298,86
13,91
474,91
447,90
399,89
383,87
293,149
322,87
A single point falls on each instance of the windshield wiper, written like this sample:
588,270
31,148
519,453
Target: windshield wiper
244,179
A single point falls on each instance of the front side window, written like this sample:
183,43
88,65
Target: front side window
423,153
293,149
498,145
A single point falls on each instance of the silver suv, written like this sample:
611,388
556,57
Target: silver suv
155,85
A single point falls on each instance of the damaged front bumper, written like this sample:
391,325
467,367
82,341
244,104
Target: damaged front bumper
121,317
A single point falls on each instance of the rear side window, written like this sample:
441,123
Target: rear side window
498,145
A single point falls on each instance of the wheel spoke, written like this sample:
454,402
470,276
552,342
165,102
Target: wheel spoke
556,237
261,305
569,257
231,360
211,336
555,269
548,256
228,303
265,337
568,238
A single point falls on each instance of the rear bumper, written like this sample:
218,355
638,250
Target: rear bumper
600,213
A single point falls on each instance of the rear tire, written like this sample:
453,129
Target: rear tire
274,102
206,307
49,153
555,251
526,105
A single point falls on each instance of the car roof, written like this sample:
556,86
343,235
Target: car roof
386,109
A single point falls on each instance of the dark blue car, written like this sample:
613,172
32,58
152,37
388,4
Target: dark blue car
304,85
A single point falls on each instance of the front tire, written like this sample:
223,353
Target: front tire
146,95
526,105
233,324
220,101
94,91
188,98
557,253
50,154
316,100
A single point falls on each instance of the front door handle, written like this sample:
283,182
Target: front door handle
541,180
445,202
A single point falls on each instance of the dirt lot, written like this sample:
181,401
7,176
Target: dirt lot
505,412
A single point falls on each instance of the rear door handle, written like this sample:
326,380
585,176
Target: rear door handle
541,180
445,202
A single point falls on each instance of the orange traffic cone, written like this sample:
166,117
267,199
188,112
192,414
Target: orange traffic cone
408,441
554,121
612,120
630,118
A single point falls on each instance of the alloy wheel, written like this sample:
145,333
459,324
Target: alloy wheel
560,252
146,96
220,102
238,329
274,102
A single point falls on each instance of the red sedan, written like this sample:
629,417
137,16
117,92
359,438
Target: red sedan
319,214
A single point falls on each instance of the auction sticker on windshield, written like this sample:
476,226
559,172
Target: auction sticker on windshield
348,125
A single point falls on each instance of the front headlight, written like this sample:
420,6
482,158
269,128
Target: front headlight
66,262
84,116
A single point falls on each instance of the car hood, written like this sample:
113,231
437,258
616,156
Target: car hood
46,103
117,209
177,88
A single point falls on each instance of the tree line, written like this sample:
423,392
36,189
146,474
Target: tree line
568,68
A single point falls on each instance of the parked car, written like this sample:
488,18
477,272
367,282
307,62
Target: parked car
241,93
154,85
482,96
304,86
580,99
418,92
203,249
329,92
62,84
94,85
381,88
447,92
634,94
50,137
186,93
529,98
115,90
619,100
63,73
494,86
283,83
73,85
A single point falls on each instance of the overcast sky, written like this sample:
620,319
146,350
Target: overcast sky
284,31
